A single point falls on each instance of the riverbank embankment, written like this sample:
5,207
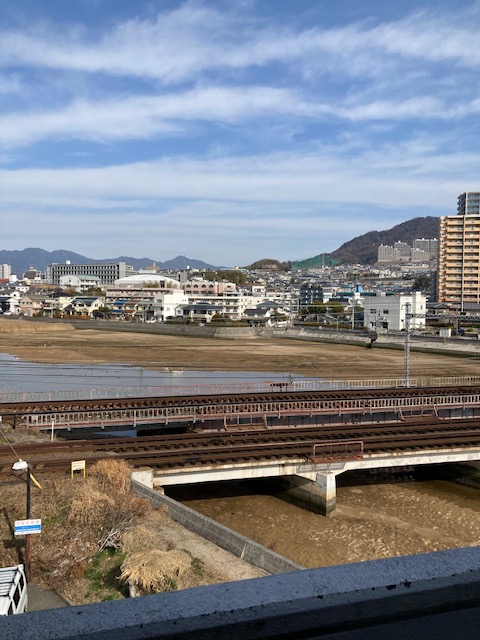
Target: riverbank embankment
427,344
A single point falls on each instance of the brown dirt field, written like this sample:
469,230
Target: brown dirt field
63,343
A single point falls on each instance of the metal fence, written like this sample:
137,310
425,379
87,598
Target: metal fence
247,387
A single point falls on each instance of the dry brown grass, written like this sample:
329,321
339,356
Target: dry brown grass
17,325
156,570
105,499
139,539
78,515
112,475
91,506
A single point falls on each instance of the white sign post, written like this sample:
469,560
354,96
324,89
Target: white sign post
27,527
78,465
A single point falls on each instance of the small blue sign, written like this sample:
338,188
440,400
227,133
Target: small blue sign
26,527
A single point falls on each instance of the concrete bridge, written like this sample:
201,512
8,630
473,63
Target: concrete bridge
307,483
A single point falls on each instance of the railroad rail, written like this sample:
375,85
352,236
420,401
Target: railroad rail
302,444
225,407
100,404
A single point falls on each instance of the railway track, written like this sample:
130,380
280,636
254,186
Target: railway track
304,443
105,404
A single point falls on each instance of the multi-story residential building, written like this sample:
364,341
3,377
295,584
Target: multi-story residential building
133,301
208,288
388,313
430,245
404,249
310,293
418,255
5,271
106,272
165,304
468,203
423,250
387,253
79,283
458,279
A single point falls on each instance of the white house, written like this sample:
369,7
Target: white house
79,283
84,306
165,303
388,313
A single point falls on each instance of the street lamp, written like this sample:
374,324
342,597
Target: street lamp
19,467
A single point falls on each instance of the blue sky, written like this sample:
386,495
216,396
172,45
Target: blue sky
232,131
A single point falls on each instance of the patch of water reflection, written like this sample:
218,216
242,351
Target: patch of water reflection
21,376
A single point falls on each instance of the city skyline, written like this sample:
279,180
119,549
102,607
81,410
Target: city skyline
267,129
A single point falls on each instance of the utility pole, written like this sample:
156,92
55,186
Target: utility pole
406,368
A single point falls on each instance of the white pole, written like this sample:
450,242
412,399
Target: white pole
406,369
51,439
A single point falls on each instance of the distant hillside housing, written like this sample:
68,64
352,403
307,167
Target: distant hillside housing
423,250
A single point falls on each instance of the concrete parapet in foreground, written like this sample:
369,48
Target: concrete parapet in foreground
430,596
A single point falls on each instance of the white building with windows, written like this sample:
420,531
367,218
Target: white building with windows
388,313
79,283
165,304
106,273
5,271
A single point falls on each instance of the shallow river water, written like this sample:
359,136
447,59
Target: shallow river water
21,376
371,521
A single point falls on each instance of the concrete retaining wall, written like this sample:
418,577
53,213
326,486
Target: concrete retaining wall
228,333
441,346
223,537
317,335
206,331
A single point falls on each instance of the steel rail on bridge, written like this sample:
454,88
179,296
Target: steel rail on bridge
351,442
254,410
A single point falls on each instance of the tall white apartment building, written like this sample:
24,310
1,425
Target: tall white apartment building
458,279
5,271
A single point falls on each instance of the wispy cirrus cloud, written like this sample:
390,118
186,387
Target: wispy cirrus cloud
145,116
178,45
170,115
231,119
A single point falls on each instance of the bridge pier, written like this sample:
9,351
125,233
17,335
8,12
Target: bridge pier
316,492
326,486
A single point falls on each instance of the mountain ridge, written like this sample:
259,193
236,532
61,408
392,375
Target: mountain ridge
364,249
361,249
22,259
